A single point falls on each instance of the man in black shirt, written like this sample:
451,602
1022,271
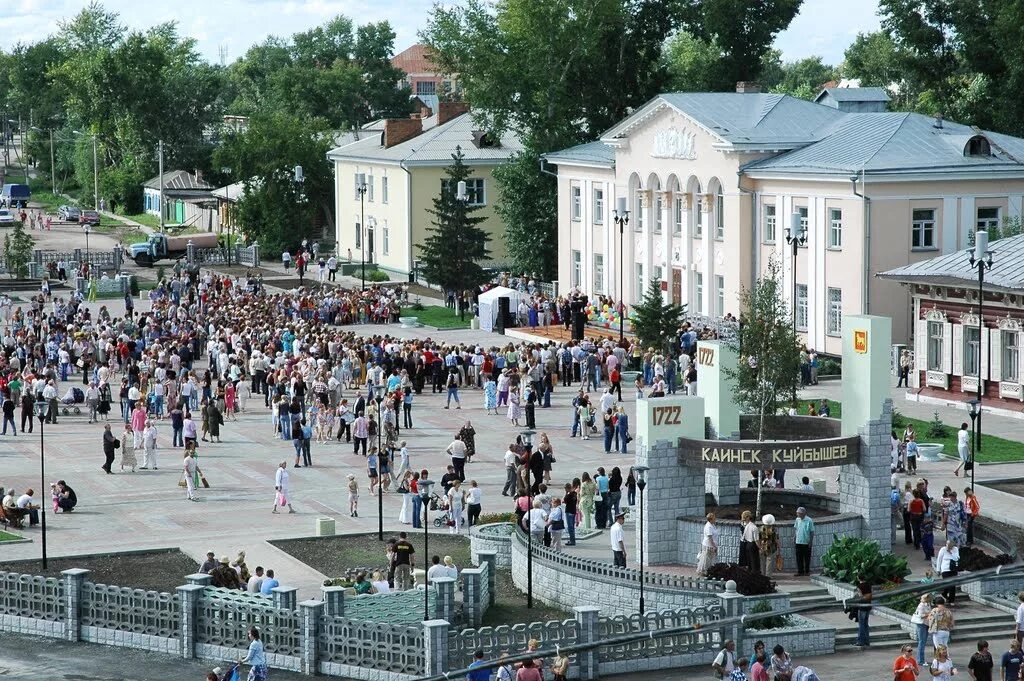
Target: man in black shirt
570,500
980,666
448,478
404,553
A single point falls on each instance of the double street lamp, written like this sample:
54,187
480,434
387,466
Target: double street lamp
527,438
621,217
981,258
42,408
378,397
424,486
640,472
796,236
361,189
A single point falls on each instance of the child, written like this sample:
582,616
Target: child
929,577
54,496
639,386
556,523
353,496
911,455
928,536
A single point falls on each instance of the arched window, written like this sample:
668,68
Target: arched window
719,214
978,146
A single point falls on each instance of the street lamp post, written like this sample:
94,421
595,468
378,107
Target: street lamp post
42,410
796,236
621,217
361,189
527,438
974,409
227,209
378,397
424,486
641,482
981,258
87,259
462,196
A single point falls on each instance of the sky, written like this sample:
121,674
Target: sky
823,27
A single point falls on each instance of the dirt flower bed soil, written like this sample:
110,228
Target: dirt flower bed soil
153,570
782,512
333,556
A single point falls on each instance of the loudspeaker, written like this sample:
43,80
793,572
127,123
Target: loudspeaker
502,320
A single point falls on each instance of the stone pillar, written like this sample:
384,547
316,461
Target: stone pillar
472,580
667,225
647,231
732,606
586,624
37,257
673,490
256,253
864,488
198,578
190,594
435,638
490,559
190,252
707,245
285,597
310,611
73,580
118,258
718,391
334,600
78,255
444,608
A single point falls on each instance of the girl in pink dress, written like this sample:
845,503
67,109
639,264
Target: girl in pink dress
229,400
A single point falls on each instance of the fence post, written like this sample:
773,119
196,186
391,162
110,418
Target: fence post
444,608
490,559
732,606
284,597
118,258
37,256
471,597
255,253
435,640
311,611
334,600
190,594
586,624
73,580
190,252
199,578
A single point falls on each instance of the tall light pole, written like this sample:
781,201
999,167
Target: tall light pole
424,486
87,259
621,217
42,409
527,437
641,482
981,258
462,197
378,397
974,409
361,189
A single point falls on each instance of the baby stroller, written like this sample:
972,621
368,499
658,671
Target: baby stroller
73,397
445,517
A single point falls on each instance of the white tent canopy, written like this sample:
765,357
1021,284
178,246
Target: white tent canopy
488,305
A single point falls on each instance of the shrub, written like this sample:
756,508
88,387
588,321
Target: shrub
418,305
848,556
378,275
747,583
974,559
898,419
133,286
905,604
776,622
830,367
489,518
937,429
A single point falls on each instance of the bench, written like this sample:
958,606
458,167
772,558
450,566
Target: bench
9,519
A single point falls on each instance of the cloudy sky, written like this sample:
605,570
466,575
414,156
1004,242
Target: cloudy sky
824,27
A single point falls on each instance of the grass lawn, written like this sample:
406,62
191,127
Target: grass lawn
7,536
993,449
146,219
438,316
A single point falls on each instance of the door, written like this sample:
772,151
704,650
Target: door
369,244
179,212
677,286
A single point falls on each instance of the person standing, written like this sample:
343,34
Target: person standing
708,546
1018,628
767,544
474,497
511,461
621,430
618,541
148,445
940,623
973,508
980,665
749,556
803,529
571,503
920,621
457,451
863,611
556,523
403,557
453,391
963,448
947,563
189,469
1011,662
281,497
905,667
110,443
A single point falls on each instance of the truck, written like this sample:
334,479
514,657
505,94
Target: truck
161,246
16,195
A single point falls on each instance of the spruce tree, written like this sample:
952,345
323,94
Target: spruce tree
18,247
655,322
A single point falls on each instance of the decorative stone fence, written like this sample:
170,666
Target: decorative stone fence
248,256
495,537
110,259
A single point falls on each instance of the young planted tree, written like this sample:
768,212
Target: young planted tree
769,356
451,255
655,322
18,251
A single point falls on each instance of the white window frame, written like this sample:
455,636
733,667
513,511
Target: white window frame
698,222
805,223
719,216
641,283
1009,346
658,205
921,226
385,240
677,215
834,312
835,228
698,292
369,188
802,309
720,295
989,222
770,223
384,189
476,190
575,202
598,273
577,268
657,272
936,346
598,205
638,212
971,364
359,233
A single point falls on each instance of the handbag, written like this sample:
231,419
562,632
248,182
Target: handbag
558,526
778,562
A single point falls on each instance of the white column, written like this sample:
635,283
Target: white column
586,242
709,254
955,224
1014,205
647,201
611,233
783,213
814,274
685,251
666,243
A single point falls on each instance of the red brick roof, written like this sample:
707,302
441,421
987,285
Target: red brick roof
415,60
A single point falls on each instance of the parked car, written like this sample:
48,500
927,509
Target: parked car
69,213
6,217
89,217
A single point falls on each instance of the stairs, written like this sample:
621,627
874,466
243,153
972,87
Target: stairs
813,596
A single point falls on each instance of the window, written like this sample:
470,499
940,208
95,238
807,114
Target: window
988,218
698,226
576,202
656,272
835,312
598,273
677,216
641,285
638,213
801,307
359,234
698,292
598,206
1009,364
835,228
720,215
577,269
426,87
922,231
384,189
369,188
769,224
972,350
386,243
474,190
804,224
719,295
657,215
936,343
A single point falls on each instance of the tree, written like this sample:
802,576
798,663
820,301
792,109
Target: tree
450,256
18,251
694,64
655,322
769,354
802,78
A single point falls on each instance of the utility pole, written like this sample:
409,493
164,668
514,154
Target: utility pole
160,172
24,156
53,167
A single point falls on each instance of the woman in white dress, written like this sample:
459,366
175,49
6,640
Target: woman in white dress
456,501
514,408
708,546
405,515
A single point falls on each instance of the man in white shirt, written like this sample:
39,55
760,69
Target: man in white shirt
607,400
457,450
50,395
256,581
944,566
510,473
1020,619
537,520
963,447
618,540
26,503
437,569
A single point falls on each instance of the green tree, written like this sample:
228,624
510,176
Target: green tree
530,225
456,245
694,64
802,78
769,354
655,322
875,60
18,251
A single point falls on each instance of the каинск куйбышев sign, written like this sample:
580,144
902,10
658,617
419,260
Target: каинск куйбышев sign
766,455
